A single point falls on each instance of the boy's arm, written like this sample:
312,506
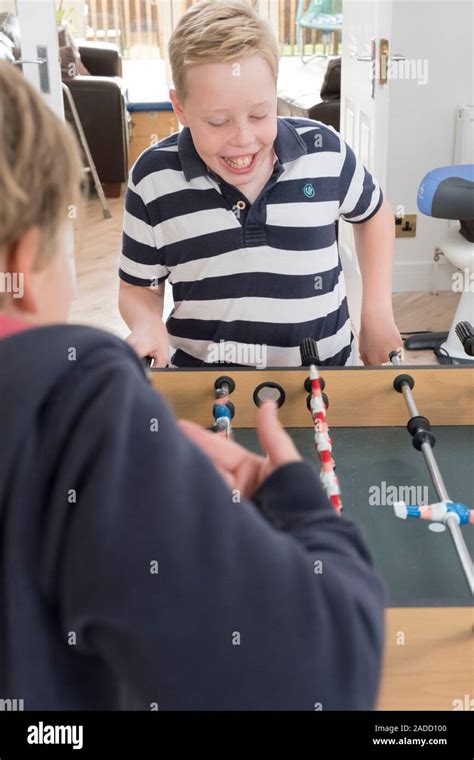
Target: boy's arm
142,310
375,246
194,600
362,204
142,279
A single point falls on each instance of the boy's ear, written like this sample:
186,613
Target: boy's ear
178,108
20,262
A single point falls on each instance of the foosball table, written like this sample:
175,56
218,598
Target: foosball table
383,477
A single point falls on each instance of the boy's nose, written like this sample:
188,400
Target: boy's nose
242,136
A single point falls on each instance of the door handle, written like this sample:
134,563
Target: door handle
395,57
42,62
385,58
368,59
28,60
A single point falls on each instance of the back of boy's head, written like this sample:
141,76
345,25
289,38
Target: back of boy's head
40,166
216,31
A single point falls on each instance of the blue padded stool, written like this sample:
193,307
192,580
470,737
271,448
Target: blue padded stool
448,193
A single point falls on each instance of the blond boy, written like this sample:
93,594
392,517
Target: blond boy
238,213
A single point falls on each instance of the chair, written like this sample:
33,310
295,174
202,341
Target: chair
323,15
448,193
315,99
100,101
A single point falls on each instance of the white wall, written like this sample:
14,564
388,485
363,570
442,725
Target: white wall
422,121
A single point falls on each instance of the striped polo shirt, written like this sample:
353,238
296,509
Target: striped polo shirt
250,280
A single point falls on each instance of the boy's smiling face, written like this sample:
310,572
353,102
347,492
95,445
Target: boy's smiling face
230,110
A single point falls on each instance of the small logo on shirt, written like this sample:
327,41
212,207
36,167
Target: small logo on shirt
309,191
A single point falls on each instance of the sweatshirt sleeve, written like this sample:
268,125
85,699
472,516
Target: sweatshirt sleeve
194,600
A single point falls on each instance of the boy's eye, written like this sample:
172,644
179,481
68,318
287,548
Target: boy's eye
223,123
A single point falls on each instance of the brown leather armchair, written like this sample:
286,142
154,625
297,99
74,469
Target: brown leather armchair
101,101
329,110
321,101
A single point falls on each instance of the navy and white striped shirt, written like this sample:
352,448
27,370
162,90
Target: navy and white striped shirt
248,283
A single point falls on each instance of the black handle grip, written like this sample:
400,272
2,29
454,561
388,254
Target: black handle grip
309,352
465,334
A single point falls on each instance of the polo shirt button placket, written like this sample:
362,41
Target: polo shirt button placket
238,208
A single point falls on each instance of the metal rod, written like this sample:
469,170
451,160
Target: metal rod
453,525
441,490
410,401
100,192
462,550
433,468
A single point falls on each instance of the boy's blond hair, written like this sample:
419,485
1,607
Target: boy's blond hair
40,167
215,31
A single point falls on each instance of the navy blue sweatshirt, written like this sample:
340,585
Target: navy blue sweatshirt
130,579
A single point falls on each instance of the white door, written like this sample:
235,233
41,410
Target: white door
364,114
39,39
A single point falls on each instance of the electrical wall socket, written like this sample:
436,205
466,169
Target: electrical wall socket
405,226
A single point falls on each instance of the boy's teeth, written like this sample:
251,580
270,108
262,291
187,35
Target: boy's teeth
239,163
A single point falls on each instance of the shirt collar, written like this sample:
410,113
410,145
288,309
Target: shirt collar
10,325
288,147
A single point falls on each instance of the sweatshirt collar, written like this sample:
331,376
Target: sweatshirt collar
10,325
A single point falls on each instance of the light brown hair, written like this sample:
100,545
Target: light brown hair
216,31
40,166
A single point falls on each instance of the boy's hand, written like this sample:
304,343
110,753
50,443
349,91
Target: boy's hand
151,343
377,338
242,469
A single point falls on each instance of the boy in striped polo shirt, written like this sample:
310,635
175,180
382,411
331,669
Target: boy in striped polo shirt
238,212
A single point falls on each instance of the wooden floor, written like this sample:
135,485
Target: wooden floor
97,250
98,245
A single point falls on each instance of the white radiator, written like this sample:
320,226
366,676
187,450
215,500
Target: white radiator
464,138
